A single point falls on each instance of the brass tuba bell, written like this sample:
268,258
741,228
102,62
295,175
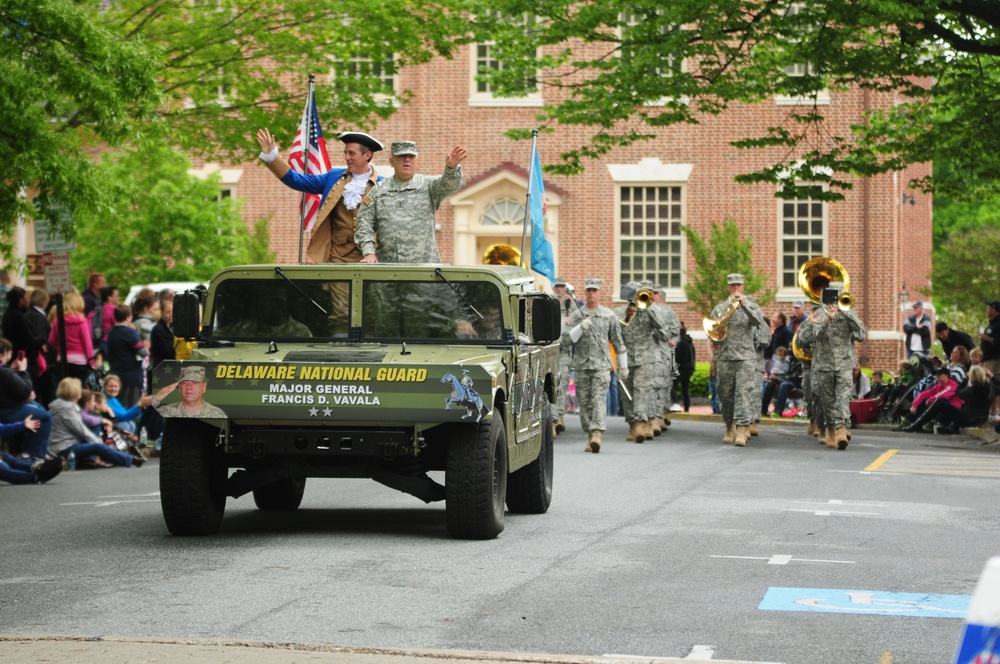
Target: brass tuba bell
818,274
501,254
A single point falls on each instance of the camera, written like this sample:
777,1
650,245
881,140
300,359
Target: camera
830,296
20,355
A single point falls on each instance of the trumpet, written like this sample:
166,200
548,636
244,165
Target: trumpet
845,301
716,328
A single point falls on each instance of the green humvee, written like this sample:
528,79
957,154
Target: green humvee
380,371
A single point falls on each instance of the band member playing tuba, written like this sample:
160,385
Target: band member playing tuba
737,361
832,332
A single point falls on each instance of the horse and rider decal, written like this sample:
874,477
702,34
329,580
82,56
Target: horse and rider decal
462,393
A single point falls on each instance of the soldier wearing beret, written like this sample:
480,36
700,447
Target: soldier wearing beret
192,386
737,364
396,221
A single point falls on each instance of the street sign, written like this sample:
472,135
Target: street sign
47,241
57,273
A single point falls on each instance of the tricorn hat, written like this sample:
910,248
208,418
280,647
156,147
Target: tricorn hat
362,138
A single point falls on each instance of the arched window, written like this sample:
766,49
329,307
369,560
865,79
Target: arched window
503,212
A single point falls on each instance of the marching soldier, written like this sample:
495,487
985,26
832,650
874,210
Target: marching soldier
737,361
591,329
666,341
762,339
804,340
638,327
833,360
566,305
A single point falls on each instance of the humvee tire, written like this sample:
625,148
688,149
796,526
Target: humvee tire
476,480
282,495
192,478
529,490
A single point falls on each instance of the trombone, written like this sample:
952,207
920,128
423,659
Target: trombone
643,298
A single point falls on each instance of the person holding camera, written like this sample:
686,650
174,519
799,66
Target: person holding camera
833,337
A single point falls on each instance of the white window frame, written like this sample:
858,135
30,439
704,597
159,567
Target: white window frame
681,68
357,60
818,97
651,172
487,98
794,292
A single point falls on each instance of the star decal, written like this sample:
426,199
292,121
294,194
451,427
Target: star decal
327,412
313,412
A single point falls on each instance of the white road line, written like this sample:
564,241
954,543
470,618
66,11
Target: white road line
828,513
108,503
701,652
782,559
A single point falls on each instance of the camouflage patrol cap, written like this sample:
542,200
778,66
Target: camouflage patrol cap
560,281
195,374
734,278
400,148
592,282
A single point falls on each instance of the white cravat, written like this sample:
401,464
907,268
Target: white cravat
355,189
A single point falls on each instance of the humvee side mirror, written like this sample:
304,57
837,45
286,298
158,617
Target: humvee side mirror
546,323
186,315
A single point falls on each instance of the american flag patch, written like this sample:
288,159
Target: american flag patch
366,199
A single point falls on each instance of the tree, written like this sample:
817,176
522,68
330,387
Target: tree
965,274
66,82
627,69
168,226
723,253
231,66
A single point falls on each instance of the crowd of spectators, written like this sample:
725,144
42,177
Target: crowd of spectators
50,421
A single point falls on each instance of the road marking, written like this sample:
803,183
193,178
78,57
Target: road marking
871,602
831,513
954,464
701,652
881,460
108,503
782,559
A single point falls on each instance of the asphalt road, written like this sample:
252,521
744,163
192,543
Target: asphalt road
780,552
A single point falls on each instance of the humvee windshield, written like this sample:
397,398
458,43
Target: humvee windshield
392,311
415,311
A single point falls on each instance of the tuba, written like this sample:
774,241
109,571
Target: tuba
501,254
800,354
819,273
716,328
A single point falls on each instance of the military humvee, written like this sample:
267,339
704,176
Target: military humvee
373,371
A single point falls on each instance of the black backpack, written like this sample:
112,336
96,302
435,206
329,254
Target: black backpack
97,325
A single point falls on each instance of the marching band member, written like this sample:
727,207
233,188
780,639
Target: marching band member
836,330
737,361
638,325
666,341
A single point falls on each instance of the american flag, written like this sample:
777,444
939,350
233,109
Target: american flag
312,161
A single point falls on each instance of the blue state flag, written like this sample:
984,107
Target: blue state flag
541,249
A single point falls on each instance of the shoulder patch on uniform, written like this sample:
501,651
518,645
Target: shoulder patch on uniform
366,199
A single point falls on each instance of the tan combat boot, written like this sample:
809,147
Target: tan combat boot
590,442
654,426
813,430
595,441
842,438
821,435
661,424
753,429
643,432
730,434
560,425
630,436
742,436
831,438
666,418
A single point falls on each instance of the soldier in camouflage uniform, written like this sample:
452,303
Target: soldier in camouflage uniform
804,341
192,386
591,328
762,339
644,358
666,340
832,380
737,362
567,305
400,210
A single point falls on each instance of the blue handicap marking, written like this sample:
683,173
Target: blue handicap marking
874,602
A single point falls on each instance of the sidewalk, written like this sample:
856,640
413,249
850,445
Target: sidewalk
123,650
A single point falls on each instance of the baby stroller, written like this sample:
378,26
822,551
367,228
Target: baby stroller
900,396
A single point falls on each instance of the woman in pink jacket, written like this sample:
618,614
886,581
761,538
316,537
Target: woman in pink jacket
945,389
79,346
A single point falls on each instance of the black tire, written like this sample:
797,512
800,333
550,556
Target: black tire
529,489
476,480
282,495
192,478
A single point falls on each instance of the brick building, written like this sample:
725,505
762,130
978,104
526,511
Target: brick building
621,218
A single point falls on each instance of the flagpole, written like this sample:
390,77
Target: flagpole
305,161
527,198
